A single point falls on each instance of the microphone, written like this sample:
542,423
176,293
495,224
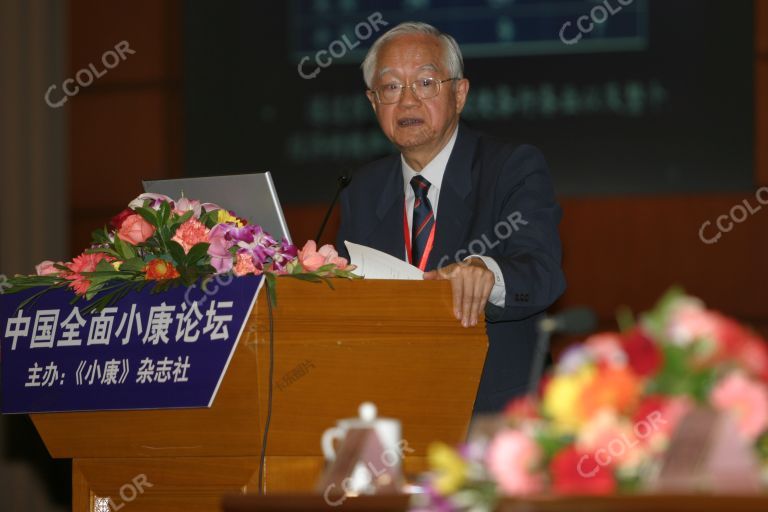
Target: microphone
577,320
342,182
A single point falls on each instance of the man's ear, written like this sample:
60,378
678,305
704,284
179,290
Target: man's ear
372,98
462,90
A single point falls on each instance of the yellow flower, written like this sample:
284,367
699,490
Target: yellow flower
450,468
116,264
562,398
225,216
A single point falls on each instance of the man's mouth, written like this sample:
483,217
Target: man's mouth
409,121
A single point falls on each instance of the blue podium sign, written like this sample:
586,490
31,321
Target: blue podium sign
150,351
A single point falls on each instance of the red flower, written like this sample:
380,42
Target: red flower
650,405
574,472
160,269
643,354
86,262
730,335
117,220
522,408
754,357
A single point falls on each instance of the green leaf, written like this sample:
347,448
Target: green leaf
177,253
271,288
133,265
312,278
104,266
124,250
100,236
210,219
551,443
625,318
148,214
197,252
164,213
104,250
180,220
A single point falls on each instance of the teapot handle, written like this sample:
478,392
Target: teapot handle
329,436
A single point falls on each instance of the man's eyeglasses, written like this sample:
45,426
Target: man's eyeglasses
423,88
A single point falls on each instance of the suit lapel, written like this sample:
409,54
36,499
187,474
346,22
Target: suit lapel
387,236
454,214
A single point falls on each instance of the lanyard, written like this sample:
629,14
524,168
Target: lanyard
407,236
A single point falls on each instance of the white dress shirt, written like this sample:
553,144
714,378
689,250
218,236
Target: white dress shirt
433,172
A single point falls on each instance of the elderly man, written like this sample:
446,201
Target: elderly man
458,205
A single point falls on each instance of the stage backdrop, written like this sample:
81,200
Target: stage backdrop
656,97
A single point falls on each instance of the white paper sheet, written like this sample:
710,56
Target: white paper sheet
374,264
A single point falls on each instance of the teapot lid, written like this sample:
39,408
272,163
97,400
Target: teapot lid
367,411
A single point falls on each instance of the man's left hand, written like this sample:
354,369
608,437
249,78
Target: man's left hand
471,283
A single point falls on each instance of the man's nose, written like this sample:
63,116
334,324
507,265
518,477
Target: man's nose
408,97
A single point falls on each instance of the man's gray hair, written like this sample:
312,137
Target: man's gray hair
452,53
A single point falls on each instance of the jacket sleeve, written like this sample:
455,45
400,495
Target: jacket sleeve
530,253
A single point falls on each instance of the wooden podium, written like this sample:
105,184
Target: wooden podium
395,343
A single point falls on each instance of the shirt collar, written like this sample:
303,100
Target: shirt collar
434,170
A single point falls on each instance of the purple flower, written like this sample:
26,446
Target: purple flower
284,254
250,239
219,248
253,239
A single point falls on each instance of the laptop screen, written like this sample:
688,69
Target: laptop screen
250,196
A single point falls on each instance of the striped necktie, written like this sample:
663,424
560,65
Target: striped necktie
423,219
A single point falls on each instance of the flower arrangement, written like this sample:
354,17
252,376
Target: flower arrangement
171,243
605,415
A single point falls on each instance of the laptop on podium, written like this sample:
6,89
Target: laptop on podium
250,196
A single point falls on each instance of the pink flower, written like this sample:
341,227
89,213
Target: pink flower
219,250
689,322
606,349
244,265
746,399
185,205
512,459
47,268
190,233
135,230
155,200
312,259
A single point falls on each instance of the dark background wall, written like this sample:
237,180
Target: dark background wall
656,99
237,99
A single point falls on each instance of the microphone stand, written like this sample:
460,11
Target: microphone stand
342,181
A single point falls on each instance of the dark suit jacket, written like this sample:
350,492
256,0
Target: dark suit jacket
487,183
